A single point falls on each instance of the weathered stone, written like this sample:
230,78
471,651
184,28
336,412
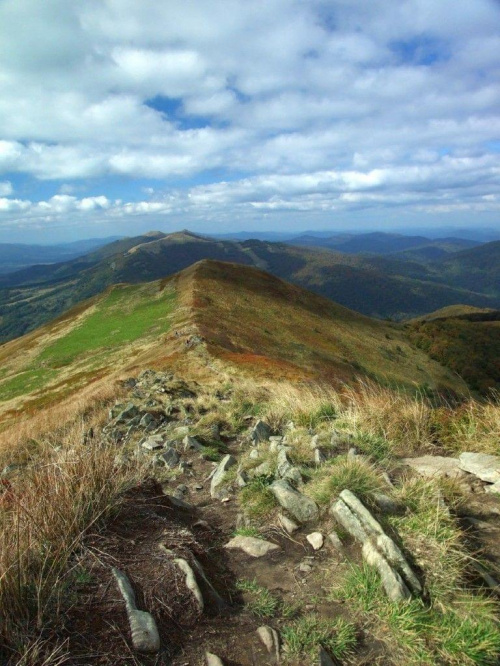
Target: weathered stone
271,641
130,412
148,421
260,432
217,479
302,508
324,658
334,539
145,636
486,467
388,504
213,659
285,469
254,455
352,453
398,578
288,524
191,583
435,466
494,488
242,479
153,443
170,457
316,539
319,456
392,582
192,443
252,546
264,469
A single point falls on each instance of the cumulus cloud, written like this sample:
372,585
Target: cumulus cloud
322,104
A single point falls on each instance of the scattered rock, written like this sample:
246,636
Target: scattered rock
145,636
241,479
324,658
334,539
302,508
226,463
285,469
271,641
191,443
127,414
486,467
316,539
288,524
260,432
388,505
153,443
252,546
213,659
352,453
319,456
398,578
170,457
148,421
191,583
254,455
435,466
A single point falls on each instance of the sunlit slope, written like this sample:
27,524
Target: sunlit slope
86,343
255,320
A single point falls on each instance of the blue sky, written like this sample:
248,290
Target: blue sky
119,116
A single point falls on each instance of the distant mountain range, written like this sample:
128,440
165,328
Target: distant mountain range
378,286
14,256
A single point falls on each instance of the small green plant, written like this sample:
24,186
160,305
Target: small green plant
303,637
262,602
256,499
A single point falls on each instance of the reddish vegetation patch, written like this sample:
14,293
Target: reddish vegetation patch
264,365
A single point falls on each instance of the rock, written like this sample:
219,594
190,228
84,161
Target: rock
191,583
316,539
170,457
192,443
252,546
288,524
153,443
333,538
145,636
324,658
179,503
285,469
319,456
271,641
378,549
260,432
226,463
276,439
302,508
127,414
494,488
264,469
148,421
486,467
254,455
241,479
388,505
213,659
305,567
435,466
352,453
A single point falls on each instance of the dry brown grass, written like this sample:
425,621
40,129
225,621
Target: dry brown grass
44,515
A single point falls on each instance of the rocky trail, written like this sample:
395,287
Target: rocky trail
183,574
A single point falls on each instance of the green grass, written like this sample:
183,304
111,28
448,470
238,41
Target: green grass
248,531
262,603
419,634
330,479
256,500
124,315
303,637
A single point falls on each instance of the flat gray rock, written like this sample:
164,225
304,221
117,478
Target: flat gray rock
486,467
170,457
435,466
252,546
153,443
302,508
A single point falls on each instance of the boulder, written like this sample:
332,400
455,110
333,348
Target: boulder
143,629
486,467
302,508
170,457
435,466
316,539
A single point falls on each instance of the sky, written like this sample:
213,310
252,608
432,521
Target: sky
121,116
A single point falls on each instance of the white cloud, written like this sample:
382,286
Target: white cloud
6,188
320,102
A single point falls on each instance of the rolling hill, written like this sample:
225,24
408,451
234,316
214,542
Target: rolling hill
238,315
376,286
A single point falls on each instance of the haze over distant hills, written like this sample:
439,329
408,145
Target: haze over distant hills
379,286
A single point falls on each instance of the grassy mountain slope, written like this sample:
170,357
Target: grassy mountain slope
374,286
245,317
464,339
